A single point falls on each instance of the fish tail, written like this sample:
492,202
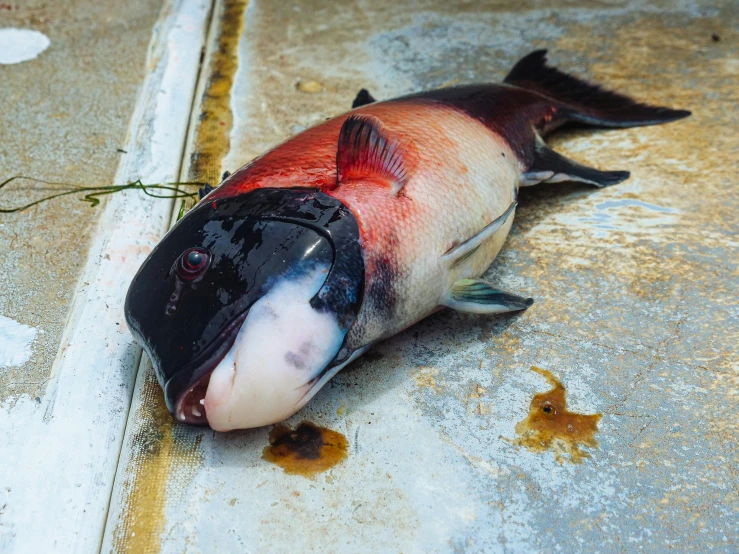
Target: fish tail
583,102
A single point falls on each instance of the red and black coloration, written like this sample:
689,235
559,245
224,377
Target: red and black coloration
426,186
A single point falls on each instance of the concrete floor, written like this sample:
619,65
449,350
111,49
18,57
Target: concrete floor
64,116
636,311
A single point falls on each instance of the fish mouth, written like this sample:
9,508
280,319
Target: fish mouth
189,405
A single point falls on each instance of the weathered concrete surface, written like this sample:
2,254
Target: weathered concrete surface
59,450
636,312
64,116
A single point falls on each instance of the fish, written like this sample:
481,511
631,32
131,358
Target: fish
352,231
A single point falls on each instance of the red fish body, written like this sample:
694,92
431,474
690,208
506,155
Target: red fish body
464,176
432,182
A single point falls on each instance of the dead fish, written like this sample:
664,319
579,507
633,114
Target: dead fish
350,232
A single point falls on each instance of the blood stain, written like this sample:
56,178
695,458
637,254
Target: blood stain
306,450
550,426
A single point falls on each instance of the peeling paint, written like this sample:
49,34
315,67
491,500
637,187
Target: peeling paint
21,45
15,342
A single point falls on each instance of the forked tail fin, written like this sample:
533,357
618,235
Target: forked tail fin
584,102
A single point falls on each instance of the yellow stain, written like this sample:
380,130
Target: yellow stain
163,453
550,426
215,121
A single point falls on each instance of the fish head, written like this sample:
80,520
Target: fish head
245,304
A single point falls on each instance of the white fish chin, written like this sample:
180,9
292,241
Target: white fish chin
282,345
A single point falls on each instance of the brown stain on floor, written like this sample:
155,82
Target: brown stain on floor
654,155
550,426
212,136
307,450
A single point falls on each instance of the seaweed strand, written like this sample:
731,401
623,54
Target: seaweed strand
93,194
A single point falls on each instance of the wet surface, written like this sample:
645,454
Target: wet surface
550,426
306,450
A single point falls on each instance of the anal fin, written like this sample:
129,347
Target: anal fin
551,167
476,296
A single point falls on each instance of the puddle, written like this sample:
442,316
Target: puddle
630,203
550,426
307,450
620,215
626,216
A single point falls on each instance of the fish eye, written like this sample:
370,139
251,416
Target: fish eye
193,263
194,259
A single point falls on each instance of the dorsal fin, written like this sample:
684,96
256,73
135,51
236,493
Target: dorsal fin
363,98
369,151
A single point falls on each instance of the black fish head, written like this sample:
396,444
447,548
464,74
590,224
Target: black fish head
190,299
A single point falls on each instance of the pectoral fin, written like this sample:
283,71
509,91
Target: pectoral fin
368,151
457,254
551,167
476,296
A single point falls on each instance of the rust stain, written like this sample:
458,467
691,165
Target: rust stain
650,263
211,140
158,452
307,450
550,426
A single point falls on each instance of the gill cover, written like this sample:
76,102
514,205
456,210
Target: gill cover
189,299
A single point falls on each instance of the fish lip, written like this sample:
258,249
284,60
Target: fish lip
200,370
